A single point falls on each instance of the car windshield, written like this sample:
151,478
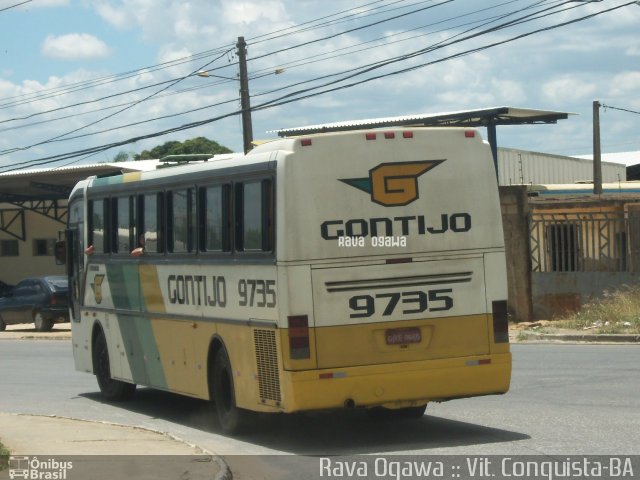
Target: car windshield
57,283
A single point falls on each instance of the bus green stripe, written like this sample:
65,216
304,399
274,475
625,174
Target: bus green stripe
124,281
142,351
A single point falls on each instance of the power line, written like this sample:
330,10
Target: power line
301,95
14,6
77,86
58,137
619,109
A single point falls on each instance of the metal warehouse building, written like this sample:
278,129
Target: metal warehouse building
518,167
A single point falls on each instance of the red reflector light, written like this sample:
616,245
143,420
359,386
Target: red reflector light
299,337
305,142
54,300
389,135
469,133
484,361
324,376
407,134
370,136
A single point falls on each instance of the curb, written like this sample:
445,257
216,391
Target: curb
579,337
223,473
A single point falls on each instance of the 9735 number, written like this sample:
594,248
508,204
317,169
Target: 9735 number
408,303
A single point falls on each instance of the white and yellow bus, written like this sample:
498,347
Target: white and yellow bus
360,269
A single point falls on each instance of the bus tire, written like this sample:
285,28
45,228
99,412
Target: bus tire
112,390
232,419
3,326
398,413
42,323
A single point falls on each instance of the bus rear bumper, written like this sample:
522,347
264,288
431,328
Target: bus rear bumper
397,385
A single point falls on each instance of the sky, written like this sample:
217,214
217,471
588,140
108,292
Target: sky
84,80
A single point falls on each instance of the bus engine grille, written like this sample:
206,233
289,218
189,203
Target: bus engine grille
267,360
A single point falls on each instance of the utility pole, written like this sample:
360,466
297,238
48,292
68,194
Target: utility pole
245,104
597,156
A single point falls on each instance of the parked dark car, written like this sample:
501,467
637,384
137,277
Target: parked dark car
5,288
42,300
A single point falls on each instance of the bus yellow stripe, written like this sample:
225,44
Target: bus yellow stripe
131,177
151,289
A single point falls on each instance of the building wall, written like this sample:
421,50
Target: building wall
520,167
600,255
28,263
515,213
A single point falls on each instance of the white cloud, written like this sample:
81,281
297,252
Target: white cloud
568,88
74,46
249,12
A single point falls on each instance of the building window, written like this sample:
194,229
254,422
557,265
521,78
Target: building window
9,248
563,247
43,247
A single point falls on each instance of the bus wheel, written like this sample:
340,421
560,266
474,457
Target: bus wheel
42,323
3,326
399,413
232,419
113,390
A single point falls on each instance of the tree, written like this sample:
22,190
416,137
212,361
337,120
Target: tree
121,156
194,145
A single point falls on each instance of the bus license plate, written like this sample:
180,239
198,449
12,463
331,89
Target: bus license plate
403,336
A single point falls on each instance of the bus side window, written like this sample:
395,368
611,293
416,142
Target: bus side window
150,238
98,232
254,216
123,216
214,219
182,224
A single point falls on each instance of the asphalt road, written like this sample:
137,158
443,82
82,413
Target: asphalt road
564,400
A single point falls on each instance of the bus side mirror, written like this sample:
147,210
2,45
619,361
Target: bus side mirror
61,252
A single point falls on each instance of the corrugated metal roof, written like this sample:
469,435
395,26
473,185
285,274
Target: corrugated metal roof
480,117
133,166
56,183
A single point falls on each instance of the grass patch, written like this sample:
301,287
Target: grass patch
615,312
4,457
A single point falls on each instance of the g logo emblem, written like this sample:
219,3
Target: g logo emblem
96,286
393,184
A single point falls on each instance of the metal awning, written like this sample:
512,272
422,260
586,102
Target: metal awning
485,117
465,118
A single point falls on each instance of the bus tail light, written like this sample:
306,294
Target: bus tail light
299,337
500,322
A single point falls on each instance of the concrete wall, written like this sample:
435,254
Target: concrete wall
26,264
515,211
559,293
